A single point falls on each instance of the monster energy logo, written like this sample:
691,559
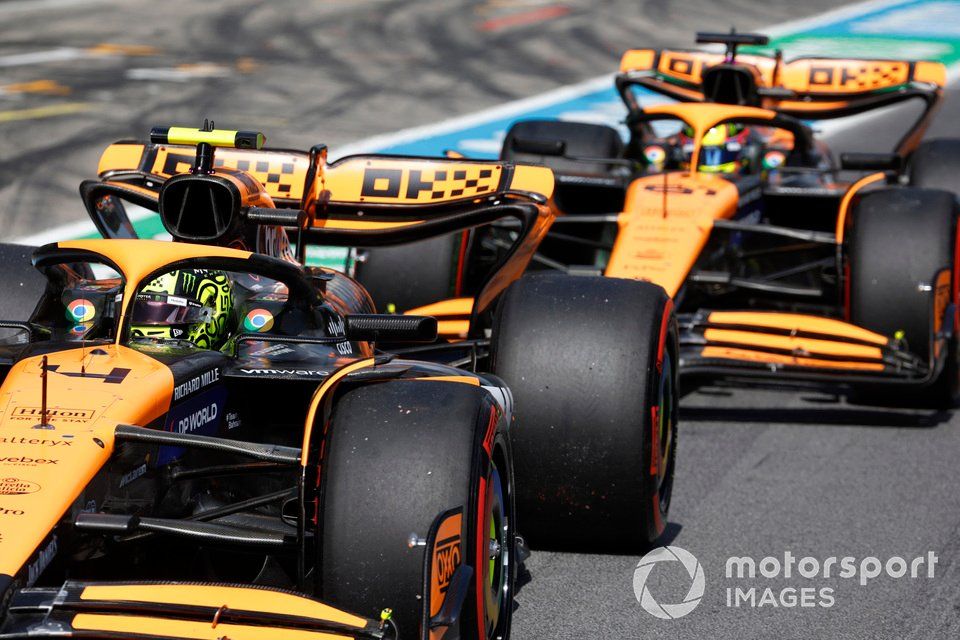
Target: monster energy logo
189,280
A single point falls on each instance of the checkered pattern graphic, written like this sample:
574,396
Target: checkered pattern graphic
458,183
402,184
276,177
866,76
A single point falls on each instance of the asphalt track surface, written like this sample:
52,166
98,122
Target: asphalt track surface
760,471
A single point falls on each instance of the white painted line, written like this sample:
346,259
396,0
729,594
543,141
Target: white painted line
953,73
67,54
78,229
834,15
21,6
178,74
71,230
505,110
60,54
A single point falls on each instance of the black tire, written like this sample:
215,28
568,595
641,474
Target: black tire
398,455
410,275
578,140
900,238
936,165
580,355
21,285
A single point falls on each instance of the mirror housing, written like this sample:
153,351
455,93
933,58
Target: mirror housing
391,328
871,161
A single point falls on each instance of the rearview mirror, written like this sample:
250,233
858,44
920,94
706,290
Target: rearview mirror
391,328
871,161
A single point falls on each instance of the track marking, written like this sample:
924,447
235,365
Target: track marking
834,15
45,112
194,70
60,54
80,228
115,49
180,73
524,18
69,54
22,6
505,110
47,87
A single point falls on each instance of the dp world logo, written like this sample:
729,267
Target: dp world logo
646,599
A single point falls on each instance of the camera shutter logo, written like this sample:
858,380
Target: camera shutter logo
646,599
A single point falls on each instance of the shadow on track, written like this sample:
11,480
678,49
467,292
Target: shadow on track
670,533
829,407
844,415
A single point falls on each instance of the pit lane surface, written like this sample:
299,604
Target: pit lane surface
759,472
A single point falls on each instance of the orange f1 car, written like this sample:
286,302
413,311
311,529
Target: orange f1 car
781,263
594,465
197,442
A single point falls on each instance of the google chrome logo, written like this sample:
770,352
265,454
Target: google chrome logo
258,320
81,310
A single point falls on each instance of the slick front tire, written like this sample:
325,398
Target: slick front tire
407,276
21,284
899,240
592,364
397,455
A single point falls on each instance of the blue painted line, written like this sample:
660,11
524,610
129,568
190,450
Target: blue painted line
484,140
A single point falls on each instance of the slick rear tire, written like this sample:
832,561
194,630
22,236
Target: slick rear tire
592,364
408,276
900,238
936,165
21,285
399,454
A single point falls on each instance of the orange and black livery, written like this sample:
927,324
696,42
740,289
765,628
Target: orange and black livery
200,441
783,263
472,227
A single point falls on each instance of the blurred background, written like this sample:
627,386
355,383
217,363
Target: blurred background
76,75
759,471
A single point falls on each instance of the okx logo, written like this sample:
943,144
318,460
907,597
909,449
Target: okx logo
692,568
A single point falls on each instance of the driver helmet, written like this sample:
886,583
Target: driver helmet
190,304
722,147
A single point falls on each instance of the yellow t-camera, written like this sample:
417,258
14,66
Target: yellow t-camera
215,138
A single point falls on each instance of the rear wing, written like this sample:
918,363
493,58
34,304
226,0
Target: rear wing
356,201
806,87
361,179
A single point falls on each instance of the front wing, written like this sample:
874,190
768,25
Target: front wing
799,346
178,610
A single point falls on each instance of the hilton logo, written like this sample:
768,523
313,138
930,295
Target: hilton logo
61,415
